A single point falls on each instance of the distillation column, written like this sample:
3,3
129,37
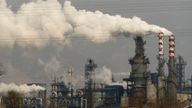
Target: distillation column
139,74
89,69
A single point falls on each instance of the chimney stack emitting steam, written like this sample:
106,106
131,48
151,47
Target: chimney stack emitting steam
161,77
161,53
171,80
171,46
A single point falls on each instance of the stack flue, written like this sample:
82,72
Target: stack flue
161,53
171,80
172,47
161,77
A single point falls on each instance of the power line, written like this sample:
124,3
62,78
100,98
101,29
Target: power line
132,8
140,2
68,37
56,13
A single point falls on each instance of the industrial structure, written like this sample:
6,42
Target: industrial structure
139,75
171,79
161,83
180,70
143,90
89,71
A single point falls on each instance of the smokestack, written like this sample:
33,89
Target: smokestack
172,47
161,56
161,78
171,80
161,53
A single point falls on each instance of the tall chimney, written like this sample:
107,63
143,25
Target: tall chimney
161,89
161,53
171,80
172,47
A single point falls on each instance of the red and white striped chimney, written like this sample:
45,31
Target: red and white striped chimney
171,46
161,53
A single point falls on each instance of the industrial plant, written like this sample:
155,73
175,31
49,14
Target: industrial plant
48,26
143,88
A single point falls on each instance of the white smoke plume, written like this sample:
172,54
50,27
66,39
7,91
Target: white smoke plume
102,75
36,22
4,88
100,27
54,69
40,21
51,67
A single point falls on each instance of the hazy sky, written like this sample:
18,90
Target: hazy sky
174,15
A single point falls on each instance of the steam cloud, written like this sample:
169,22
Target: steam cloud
4,88
103,75
47,20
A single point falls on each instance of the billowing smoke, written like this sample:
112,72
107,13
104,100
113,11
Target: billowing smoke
40,21
102,75
53,68
100,27
4,88
34,23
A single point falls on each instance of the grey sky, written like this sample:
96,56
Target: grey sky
174,15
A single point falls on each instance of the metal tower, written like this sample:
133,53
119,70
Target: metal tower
180,69
139,74
89,70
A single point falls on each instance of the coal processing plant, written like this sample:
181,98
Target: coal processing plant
142,90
